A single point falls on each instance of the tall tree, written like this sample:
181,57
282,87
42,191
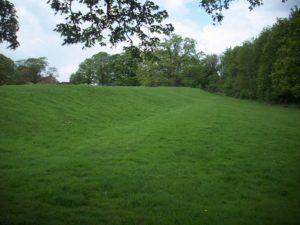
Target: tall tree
7,70
31,69
268,67
85,74
171,56
124,67
285,73
8,24
102,68
105,69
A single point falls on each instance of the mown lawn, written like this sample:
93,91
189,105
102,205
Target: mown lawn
124,155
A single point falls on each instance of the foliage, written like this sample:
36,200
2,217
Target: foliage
124,67
178,64
105,69
265,68
7,70
31,69
171,58
8,24
121,19
85,74
285,74
268,67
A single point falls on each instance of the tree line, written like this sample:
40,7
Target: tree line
175,62
265,68
268,67
31,70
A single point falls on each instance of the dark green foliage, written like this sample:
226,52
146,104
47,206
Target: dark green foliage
148,156
121,19
267,68
239,71
174,64
8,24
7,70
286,69
105,69
209,71
31,69
178,64
86,73
124,67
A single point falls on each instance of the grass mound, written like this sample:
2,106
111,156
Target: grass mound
124,155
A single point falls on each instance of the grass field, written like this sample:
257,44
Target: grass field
162,156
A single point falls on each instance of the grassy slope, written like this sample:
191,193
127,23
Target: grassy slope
92,155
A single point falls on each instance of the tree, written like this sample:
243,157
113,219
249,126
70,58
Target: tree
8,24
105,69
285,73
268,67
85,74
209,72
121,19
124,67
94,70
7,70
52,72
171,57
31,69
102,68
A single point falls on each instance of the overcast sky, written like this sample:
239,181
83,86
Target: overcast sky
38,39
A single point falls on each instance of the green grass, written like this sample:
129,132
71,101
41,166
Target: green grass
124,155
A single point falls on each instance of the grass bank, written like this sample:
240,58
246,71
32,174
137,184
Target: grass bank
125,155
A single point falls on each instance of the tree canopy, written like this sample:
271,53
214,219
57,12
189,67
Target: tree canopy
121,19
7,70
26,71
8,24
32,68
265,68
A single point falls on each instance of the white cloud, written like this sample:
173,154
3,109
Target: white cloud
239,25
174,7
65,71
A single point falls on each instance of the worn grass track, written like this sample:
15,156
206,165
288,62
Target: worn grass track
124,155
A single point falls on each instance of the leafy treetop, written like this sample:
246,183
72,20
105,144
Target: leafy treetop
8,24
120,19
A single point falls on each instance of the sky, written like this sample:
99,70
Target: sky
37,38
